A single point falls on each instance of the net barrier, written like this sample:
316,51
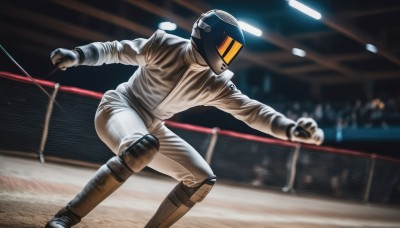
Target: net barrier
32,124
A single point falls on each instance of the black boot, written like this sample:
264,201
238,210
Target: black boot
65,218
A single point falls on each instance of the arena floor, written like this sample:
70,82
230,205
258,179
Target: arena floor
31,192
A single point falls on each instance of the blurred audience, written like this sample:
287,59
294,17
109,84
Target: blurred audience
375,112
353,113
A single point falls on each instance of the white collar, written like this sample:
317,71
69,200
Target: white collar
193,58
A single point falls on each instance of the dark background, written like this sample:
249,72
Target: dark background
337,67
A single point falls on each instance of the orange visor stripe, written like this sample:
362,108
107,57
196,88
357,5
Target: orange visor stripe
232,52
222,48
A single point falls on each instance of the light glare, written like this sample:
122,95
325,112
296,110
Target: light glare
249,28
305,9
298,52
372,48
169,26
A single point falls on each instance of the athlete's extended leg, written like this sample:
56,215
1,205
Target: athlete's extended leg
182,162
122,130
108,178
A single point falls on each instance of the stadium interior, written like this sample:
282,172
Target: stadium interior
343,69
335,61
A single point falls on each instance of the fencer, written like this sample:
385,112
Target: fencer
173,75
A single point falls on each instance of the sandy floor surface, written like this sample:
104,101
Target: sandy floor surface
31,192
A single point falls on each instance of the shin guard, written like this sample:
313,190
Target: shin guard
178,202
113,174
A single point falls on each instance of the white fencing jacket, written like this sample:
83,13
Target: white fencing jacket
172,77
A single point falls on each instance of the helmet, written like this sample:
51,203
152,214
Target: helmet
218,38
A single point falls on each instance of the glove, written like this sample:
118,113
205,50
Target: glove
306,131
65,58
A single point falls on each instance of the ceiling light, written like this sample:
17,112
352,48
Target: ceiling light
371,48
249,28
169,26
305,9
298,52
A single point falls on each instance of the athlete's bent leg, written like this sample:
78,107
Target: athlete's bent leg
179,160
178,202
108,178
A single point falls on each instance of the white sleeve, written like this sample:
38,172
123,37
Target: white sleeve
255,114
129,52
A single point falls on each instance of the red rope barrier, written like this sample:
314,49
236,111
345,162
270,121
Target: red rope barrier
68,89
26,80
189,127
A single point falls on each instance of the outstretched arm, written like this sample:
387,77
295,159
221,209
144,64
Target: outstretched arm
129,52
264,118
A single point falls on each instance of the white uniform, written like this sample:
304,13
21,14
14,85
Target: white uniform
171,78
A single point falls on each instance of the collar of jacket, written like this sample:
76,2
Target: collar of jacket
193,58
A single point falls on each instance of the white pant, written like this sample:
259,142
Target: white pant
118,125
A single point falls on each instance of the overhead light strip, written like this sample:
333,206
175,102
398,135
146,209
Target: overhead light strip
249,28
169,26
298,52
305,9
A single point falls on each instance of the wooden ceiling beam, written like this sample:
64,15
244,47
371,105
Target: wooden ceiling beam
357,35
52,24
162,12
186,25
306,68
287,44
192,5
37,37
279,57
286,57
351,57
314,34
105,16
368,12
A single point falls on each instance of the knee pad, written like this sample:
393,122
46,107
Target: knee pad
139,154
134,158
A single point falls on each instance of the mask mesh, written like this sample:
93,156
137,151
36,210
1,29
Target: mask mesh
226,17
